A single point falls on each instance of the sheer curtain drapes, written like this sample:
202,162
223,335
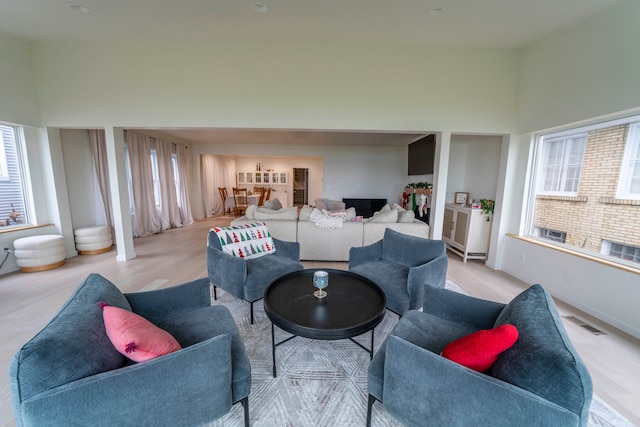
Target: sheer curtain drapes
216,171
101,173
168,211
184,180
145,216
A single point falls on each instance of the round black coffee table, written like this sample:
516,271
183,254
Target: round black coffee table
354,305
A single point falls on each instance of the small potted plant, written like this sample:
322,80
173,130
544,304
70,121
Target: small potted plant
487,206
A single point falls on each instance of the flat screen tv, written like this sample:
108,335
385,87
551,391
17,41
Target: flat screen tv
422,156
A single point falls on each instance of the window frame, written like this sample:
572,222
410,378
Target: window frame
543,166
23,179
628,168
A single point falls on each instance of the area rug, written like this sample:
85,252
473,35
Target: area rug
322,383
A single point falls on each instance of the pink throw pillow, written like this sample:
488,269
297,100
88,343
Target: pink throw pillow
135,337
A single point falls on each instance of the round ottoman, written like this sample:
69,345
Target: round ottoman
93,240
39,253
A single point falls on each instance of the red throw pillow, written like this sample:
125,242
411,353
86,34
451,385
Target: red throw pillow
134,336
480,350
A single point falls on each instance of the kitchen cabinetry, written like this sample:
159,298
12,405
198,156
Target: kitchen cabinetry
466,231
260,178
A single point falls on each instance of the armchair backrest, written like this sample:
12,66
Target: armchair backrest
410,251
213,241
73,345
543,354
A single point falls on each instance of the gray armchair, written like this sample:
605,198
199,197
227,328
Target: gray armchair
539,381
403,266
71,374
248,279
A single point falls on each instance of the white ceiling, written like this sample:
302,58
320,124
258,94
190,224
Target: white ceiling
468,23
463,23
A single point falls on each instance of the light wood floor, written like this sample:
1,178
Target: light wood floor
29,300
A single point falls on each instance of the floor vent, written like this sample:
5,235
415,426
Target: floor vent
585,325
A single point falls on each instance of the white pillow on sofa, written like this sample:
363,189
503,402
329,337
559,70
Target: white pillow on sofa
390,215
405,215
250,212
305,213
281,214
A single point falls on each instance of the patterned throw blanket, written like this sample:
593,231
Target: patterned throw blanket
328,219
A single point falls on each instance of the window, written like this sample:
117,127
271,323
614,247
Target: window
585,191
156,178
629,186
176,176
619,250
561,164
556,236
127,163
13,201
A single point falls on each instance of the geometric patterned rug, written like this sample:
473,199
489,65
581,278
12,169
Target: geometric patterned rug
322,383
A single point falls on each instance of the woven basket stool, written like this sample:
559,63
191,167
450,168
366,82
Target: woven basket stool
93,240
39,253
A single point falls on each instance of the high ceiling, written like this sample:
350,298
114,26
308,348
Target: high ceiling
468,23
446,23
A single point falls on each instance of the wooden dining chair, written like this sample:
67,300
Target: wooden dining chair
240,200
268,195
262,191
223,195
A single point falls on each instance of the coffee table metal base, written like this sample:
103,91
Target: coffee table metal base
274,345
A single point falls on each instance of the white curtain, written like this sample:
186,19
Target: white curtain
169,213
145,217
216,171
101,174
184,178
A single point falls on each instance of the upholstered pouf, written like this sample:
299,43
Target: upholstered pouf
93,240
39,253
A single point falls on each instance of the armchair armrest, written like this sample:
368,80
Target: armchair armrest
364,254
161,302
226,271
190,386
287,249
421,387
430,274
460,308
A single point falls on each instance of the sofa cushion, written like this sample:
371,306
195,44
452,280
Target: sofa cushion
135,337
272,204
73,345
479,350
406,216
543,360
250,212
385,216
280,214
305,213
246,241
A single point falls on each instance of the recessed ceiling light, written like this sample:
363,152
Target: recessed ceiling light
79,7
436,11
260,7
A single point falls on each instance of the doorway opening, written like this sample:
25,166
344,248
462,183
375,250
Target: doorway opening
300,186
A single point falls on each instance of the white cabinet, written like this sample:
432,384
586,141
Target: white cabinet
262,178
466,231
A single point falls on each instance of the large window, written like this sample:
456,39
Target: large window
586,195
561,164
629,186
14,205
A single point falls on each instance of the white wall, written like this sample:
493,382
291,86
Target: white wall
473,166
19,103
78,168
583,74
277,86
284,193
348,171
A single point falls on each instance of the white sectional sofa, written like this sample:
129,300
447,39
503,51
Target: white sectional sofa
323,244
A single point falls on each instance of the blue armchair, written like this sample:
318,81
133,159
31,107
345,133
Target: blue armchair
539,381
248,279
71,374
403,266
